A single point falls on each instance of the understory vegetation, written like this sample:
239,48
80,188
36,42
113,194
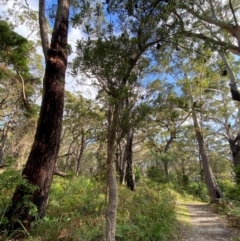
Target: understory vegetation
77,206
112,113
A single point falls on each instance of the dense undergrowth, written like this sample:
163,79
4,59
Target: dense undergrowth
77,205
230,204
76,211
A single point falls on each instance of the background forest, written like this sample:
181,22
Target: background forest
153,117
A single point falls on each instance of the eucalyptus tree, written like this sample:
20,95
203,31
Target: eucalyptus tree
213,189
81,124
195,81
215,23
39,168
18,85
169,113
222,117
187,164
135,116
112,56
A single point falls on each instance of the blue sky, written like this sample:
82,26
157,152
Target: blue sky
73,35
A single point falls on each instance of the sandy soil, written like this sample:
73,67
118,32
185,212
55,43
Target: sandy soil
208,226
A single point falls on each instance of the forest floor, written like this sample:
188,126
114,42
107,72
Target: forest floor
202,224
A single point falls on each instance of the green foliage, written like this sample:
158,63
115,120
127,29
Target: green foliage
9,179
156,174
138,175
77,206
231,190
147,214
14,49
198,190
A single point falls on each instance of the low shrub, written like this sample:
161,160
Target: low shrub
198,190
77,206
231,190
147,214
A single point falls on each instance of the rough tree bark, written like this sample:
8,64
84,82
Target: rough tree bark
40,165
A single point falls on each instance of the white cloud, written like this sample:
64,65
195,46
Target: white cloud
13,13
86,89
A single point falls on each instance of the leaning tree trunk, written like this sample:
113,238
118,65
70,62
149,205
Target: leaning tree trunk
39,168
213,189
111,212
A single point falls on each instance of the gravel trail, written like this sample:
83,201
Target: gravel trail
208,226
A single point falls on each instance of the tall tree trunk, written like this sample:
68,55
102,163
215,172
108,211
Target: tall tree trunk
111,212
123,167
119,161
166,172
99,157
80,153
213,189
129,161
42,158
235,149
2,162
166,162
67,162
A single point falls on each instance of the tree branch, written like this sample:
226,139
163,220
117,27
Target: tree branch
233,48
233,86
211,20
43,27
25,101
233,12
59,173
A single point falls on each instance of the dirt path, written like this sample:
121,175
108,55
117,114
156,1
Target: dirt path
208,226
